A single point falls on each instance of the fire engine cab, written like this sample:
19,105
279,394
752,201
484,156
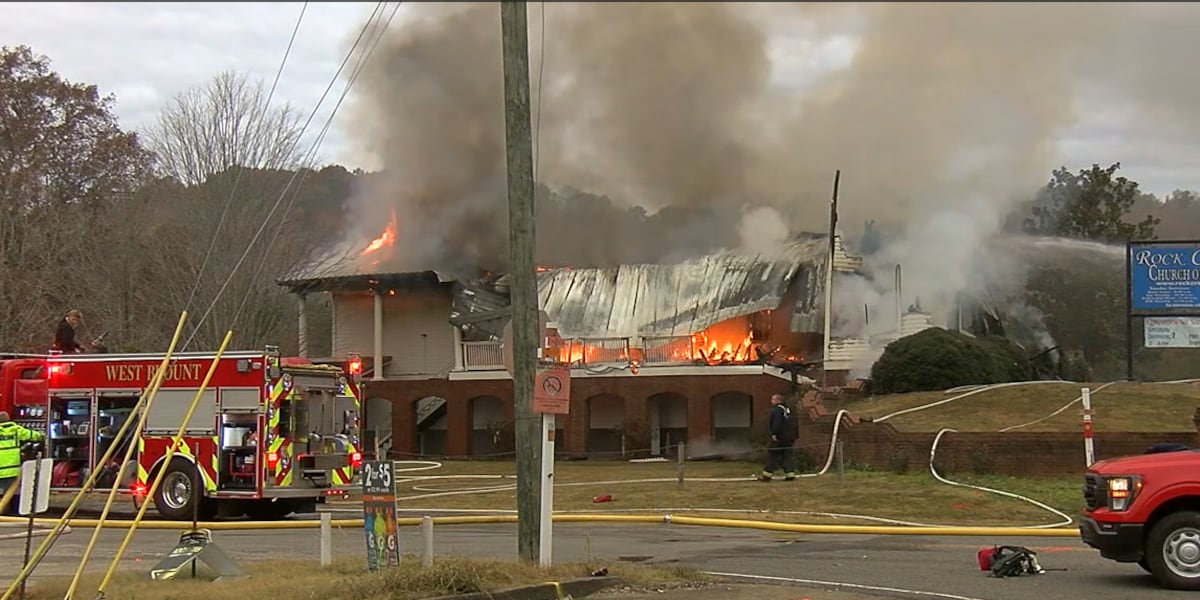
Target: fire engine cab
270,436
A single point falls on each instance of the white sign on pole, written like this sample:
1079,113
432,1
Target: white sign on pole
32,473
1172,332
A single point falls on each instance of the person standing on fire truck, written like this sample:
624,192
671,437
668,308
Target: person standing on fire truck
64,336
12,435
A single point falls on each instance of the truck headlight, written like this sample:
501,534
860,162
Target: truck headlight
1122,491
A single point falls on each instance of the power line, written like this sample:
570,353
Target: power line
212,244
537,127
312,153
349,54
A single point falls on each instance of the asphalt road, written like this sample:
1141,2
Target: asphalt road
910,566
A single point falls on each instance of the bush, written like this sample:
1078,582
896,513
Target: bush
937,359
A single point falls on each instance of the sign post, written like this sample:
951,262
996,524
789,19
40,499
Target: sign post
379,514
1163,280
1089,448
35,499
551,396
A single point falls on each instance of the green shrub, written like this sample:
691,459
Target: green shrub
937,359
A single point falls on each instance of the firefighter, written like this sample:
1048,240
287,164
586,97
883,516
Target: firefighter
64,336
781,452
12,435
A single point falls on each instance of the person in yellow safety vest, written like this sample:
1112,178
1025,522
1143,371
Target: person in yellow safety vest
12,435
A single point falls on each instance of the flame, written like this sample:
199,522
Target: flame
385,239
725,342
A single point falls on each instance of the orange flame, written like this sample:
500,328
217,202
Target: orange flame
726,342
385,239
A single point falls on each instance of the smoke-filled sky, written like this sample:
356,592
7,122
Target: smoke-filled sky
939,114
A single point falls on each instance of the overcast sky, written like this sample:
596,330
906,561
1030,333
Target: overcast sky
143,53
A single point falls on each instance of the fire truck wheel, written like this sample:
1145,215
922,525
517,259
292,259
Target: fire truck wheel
176,498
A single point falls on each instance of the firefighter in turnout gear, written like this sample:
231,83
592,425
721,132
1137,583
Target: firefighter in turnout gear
12,435
781,452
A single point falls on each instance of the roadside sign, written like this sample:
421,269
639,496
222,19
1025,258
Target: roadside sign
552,391
1172,332
35,486
379,514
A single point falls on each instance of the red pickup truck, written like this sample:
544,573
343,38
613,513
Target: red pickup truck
1145,509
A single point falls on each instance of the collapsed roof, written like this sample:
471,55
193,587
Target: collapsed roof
659,300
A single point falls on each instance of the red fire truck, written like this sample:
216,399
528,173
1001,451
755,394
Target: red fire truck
270,435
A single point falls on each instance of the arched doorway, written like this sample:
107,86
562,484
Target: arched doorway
606,425
430,417
490,431
667,420
377,426
732,415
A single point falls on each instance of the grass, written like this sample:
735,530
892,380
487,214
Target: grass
1121,407
349,579
914,497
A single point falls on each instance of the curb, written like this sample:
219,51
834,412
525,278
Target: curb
554,590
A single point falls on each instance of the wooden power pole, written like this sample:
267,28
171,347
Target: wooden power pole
514,30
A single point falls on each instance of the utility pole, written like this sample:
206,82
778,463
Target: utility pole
514,32
828,328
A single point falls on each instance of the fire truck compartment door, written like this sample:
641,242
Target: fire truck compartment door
171,405
240,399
313,382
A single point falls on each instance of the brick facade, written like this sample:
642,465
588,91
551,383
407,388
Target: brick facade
632,392
865,444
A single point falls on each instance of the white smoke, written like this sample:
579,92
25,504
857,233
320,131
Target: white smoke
763,231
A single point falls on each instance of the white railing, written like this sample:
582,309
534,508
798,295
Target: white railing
482,356
594,351
667,350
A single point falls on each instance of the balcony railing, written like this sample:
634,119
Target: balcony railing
667,350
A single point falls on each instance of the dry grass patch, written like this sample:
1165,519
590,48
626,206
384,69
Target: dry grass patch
915,497
349,579
1121,407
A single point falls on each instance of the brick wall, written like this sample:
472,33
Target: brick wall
875,445
882,446
632,392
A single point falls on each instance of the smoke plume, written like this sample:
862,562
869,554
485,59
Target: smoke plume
672,117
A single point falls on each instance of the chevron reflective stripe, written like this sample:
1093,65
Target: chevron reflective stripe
215,458
185,450
142,475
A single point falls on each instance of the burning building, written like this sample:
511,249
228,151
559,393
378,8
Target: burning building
660,353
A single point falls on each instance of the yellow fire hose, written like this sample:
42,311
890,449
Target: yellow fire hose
9,494
112,568
91,479
1060,532
151,393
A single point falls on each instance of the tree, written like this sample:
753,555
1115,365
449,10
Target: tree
1092,205
209,129
64,163
938,359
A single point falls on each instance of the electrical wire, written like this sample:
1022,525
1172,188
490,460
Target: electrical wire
313,150
537,129
267,219
212,244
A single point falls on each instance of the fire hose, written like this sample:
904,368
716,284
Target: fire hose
897,527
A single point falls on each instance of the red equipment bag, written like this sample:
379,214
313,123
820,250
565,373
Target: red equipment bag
984,557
